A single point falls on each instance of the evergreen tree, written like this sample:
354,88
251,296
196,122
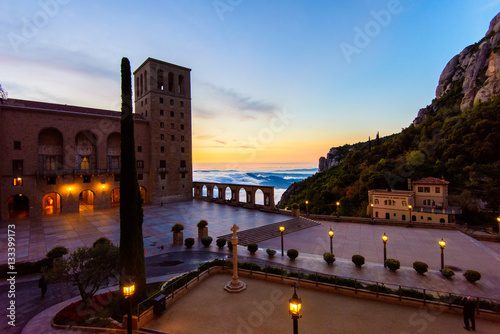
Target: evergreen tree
131,215
369,144
377,140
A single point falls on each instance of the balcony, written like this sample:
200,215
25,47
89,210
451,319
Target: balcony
86,171
183,169
163,170
113,171
52,172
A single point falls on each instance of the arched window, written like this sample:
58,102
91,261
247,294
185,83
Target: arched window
181,85
145,81
376,201
160,79
142,85
170,82
243,195
404,204
50,151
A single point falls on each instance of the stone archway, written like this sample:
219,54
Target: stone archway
115,197
51,204
18,206
242,195
86,201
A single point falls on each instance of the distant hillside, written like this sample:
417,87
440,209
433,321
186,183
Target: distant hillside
456,137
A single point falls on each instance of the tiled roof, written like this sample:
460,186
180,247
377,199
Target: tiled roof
431,180
64,107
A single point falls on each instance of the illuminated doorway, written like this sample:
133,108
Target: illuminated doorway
51,203
18,206
115,197
86,199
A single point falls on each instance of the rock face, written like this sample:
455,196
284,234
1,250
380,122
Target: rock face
476,69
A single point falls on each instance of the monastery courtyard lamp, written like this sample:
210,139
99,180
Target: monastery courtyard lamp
411,221
498,220
384,239
338,204
295,307
331,239
307,208
442,244
128,292
282,229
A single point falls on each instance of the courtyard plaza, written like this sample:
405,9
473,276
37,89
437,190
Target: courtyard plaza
35,236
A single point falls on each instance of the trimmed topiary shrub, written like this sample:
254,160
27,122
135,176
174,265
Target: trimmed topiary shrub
472,276
295,206
206,241
220,243
292,253
177,228
329,257
447,272
101,241
252,248
202,223
270,252
420,267
230,245
56,252
392,264
189,242
358,260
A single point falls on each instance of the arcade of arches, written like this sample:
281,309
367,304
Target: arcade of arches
235,194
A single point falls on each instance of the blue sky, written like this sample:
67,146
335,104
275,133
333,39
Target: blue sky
271,80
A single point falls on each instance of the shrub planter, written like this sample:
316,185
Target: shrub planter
295,210
292,254
472,276
189,242
202,229
420,267
178,235
392,264
447,272
270,252
56,254
358,260
329,257
230,245
206,241
220,243
252,248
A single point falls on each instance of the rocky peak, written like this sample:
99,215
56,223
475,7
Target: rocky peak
476,69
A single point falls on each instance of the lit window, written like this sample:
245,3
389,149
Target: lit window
18,181
404,203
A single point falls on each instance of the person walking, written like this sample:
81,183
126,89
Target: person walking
42,284
469,310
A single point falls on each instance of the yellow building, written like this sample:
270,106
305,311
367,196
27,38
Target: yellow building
426,202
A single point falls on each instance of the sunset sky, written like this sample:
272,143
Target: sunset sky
271,81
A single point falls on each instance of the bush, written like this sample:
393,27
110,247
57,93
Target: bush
292,254
295,206
202,223
270,252
249,266
56,252
206,241
220,242
420,267
177,228
447,272
329,257
101,241
358,260
189,242
252,248
392,264
230,245
472,276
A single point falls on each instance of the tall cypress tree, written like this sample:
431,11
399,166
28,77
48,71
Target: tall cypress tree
131,214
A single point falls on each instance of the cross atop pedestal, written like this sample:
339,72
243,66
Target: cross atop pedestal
235,285
234,229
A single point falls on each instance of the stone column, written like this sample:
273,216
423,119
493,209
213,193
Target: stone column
235,285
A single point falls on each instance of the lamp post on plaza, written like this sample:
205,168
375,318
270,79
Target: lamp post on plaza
282,229
371,213
295,307
498,220
384,239
338,204
331,239
411,221
442,244
307,208
128,292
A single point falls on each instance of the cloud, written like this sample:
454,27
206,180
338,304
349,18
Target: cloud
220,142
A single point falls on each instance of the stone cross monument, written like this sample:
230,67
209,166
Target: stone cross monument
235,285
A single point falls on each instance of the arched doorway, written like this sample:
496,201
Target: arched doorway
403,217
259,197
243,195
115,197
51,204
215,193
144,194
387,215
86,200
18,206
204,191
228,194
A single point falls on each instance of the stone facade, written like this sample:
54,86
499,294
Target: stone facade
59,158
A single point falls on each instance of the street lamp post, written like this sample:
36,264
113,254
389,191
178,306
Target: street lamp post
442,244
371,213
411,221
498,220
282,229
307,208
128,292
338,204
295,307
331,239
384,239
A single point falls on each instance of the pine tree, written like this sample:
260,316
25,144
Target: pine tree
131,214
377,140
369,144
